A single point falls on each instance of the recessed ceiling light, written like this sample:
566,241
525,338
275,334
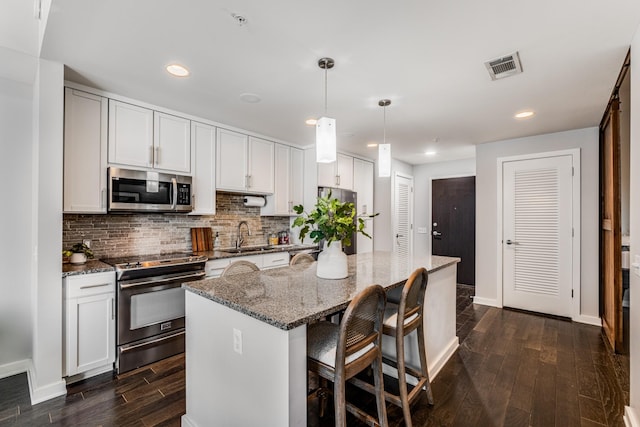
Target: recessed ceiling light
311,122
524,115
372,145
250,98
430,153
177,70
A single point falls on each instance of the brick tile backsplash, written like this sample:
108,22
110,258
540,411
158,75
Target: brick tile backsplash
116,235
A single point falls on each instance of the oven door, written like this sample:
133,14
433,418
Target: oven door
150,307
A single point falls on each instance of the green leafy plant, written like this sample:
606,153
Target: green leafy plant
331,220
79,248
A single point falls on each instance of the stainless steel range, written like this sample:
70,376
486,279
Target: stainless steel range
150,305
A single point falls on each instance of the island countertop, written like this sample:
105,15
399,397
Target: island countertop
288,297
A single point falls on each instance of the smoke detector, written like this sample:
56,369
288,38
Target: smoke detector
504,66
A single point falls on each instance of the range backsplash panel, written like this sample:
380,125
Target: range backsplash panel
116,235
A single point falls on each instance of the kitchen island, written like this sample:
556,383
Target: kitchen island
246,334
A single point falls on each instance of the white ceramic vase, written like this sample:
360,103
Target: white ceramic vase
332,262
77,258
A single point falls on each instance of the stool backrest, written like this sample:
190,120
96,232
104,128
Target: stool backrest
412,300
239,267
301,259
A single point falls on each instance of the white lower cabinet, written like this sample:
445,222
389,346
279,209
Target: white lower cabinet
214,267
89,324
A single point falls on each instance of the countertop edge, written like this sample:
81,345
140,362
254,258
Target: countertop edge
90,267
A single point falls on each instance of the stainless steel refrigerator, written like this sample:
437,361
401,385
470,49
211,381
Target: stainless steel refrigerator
343,196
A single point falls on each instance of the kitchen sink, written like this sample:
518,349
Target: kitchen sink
260,248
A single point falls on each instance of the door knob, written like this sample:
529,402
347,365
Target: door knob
436,233
511,242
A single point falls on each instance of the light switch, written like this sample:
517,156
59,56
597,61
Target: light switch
636,265
422,230
237,340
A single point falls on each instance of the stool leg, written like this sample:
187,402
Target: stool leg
339,401
423,363
379,385
402,379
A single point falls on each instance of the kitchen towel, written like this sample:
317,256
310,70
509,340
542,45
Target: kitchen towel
254,201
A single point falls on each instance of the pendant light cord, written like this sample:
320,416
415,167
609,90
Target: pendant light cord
384,126
325,91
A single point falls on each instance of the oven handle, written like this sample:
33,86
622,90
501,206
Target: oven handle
144,344
174,200
159,281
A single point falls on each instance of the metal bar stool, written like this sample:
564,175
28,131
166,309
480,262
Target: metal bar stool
400,319
338,352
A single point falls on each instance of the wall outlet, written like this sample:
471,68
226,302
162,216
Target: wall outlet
87,242
422,230
237,340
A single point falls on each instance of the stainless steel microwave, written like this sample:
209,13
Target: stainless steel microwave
146,191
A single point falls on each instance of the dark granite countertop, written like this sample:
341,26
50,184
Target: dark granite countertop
91,266
222,253
288,297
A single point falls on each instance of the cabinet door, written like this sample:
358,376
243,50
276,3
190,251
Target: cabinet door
296,179
282,180
204,173
345,172
171,143
85,152
261,170
130,134
327,176
91,321
363,185
231,160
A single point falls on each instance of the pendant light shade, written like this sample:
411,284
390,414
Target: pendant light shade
384,149
325,126
326,140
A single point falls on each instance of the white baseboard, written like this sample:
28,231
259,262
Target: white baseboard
486,301
441,359
46,392
14,368
186,422
589,320
631,418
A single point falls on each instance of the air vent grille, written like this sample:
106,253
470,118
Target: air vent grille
504,66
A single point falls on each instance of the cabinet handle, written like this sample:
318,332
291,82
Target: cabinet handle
94,286
290,206
337,179
151,155
157,157
113,308
103,198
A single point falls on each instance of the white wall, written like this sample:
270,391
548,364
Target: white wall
633,411
45,380
423,174
15,236
382,196
486,208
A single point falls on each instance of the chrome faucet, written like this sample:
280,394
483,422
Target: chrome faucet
240,239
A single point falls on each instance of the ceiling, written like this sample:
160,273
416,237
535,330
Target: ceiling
426,56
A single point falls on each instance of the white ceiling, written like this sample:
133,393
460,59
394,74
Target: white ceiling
426,56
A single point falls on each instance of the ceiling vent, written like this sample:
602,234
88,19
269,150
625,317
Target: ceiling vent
505,66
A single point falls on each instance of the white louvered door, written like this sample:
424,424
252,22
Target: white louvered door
403,215
537,235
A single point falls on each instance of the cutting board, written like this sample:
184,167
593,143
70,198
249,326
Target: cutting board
201,239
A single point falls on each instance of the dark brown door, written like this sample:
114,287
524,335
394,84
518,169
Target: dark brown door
610,234
453,228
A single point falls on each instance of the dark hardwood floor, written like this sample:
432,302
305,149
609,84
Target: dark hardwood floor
512,369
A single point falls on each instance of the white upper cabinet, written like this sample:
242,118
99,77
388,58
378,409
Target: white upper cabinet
130,134
85,152
338,174
204,171
231,160
144,138
288,181
363,185
260,167
244,164
171,143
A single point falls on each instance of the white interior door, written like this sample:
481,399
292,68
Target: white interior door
403,215
537,234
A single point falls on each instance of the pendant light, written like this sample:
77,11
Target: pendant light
325,126
384,149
